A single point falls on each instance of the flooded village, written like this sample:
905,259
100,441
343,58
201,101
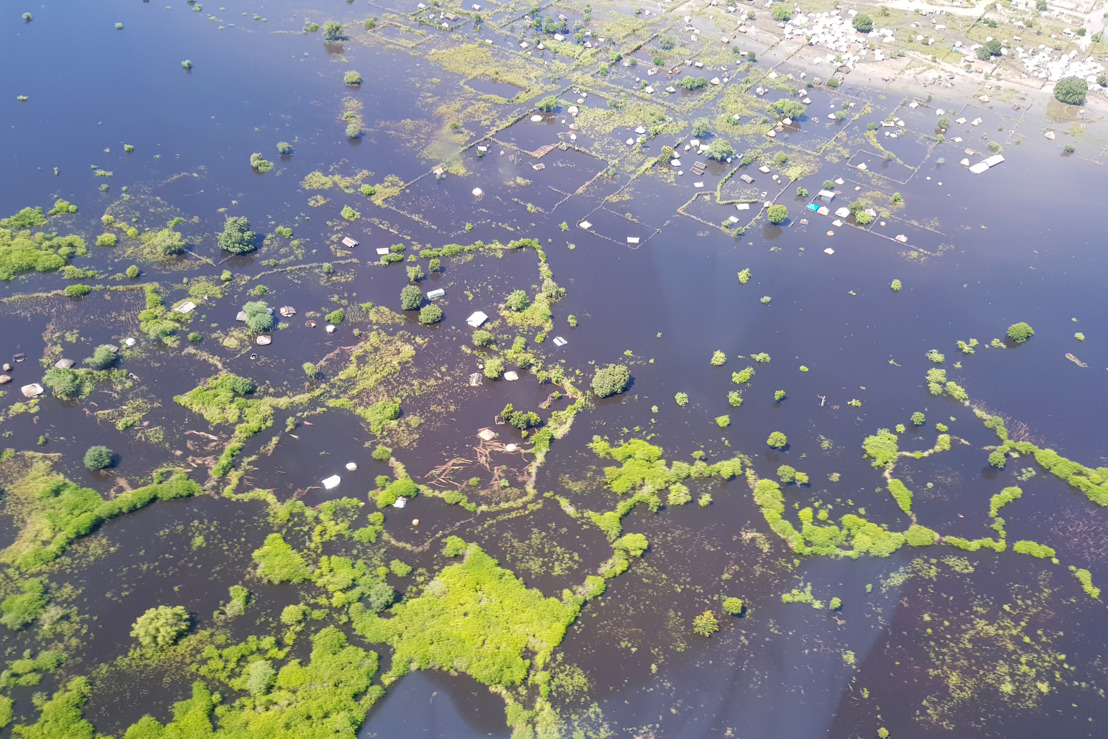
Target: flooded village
553,369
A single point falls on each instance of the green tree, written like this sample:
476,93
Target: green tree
103,356
237,238
777,440
164,243
260,676
611,380
548,103
482,338
332,31
777,214
429,314
352,78
705,624
733,606
918,418
518,300
260,163
410,297
780,12
494,368
700,127
863,23
1020,332
790,109
64,383
353,131
98,457
284,148
1071,90
23,608
161,626
720,150
258,317
415,273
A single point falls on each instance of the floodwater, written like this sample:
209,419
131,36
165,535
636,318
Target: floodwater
983,252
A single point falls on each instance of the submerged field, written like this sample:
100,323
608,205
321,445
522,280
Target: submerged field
502,371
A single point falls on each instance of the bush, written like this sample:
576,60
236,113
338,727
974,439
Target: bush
1071,90
720,150
777,214
161,626
410,297
64,383
1020,332
781,13
700,128
705,624
548,103
353,131
98,457
863,23
733,606
77,291
352,78
918,418
133,272
106,240
23,608
430,314
237,238
284,148
332,31
518,301
102,357
777,440
260,163
482,338
896,286
494,368
258,317
336,316
415,273
611,380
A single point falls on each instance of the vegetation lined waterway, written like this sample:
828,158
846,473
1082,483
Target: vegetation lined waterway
381,371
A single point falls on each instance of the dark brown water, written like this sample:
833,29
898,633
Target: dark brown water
1009,245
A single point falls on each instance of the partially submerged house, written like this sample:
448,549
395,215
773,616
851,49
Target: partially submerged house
348,242
476,319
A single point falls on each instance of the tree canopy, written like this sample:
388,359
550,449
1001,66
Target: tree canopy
98,457
258,317
863,23
1071,90
1020,332
161,626
777,214
237,237
611,380
411,297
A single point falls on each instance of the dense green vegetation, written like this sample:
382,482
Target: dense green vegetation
52,511
473,617
611,380
22,251
161,626
236,237
1071,90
